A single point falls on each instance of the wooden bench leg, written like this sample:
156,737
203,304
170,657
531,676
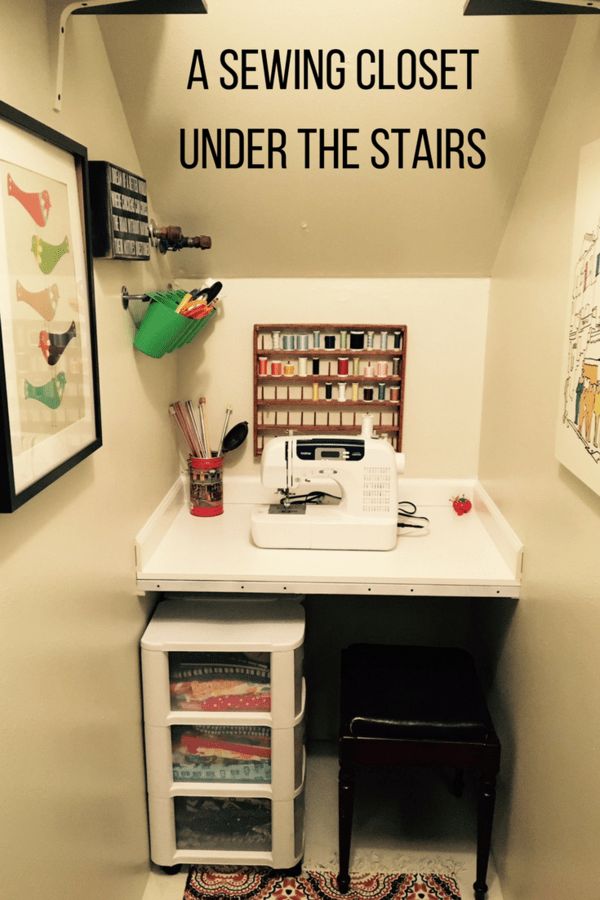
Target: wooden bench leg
345,806
485,817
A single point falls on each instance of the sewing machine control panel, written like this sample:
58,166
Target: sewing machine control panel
330,448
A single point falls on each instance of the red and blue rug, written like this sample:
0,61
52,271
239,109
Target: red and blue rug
208,883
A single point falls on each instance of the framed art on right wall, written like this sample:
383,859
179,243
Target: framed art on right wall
578,430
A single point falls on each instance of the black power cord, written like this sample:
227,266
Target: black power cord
311,497
408,509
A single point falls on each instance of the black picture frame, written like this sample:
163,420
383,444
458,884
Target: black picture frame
46,428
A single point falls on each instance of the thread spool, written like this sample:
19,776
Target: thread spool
383,341
343,365
356,365
369,371
262,365
328,390
276,340
397,340
315,391
382,368
316,365
288,342
329,341
343,340
366,428
289,369
357,340
302,342
396,365
355,391
370,339
302,366
367,394
316,338
341,392
381,390
394,393
276,368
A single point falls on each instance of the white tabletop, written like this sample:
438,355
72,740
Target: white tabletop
472,555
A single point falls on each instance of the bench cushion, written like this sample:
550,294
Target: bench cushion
412,693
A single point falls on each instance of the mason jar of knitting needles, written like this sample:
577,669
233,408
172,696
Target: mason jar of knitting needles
206,485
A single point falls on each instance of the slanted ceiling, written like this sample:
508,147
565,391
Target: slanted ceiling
355,223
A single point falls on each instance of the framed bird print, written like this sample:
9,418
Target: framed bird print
49,397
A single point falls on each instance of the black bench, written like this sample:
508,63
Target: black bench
415,706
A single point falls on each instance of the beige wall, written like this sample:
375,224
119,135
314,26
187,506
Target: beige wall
71,775
363,222
446,320
548,677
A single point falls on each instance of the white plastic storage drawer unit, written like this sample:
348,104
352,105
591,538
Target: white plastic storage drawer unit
224,701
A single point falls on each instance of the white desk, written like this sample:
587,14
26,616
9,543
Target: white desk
475,555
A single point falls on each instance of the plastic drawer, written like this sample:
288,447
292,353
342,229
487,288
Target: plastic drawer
227,830
205,758
207,687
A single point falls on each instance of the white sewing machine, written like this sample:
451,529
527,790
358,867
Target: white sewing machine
364,470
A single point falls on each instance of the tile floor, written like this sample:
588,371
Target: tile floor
417,826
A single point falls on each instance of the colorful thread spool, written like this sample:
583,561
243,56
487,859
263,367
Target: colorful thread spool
289,370
383,341
302,342
396,365
381,390
355,391
370,339
262,365
356,365
367,394
315,391
394,393
316,336
343,340
343,362
289,342
276,368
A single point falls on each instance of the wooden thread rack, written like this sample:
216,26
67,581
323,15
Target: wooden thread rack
291,396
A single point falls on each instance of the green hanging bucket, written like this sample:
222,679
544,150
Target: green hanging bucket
162,329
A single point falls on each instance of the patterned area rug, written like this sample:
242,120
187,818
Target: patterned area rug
211,883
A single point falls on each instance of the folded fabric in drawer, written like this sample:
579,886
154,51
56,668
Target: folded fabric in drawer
230,823
220,682
224,753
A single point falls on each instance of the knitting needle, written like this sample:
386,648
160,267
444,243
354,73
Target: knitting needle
195,426
228,412
201,403
176,410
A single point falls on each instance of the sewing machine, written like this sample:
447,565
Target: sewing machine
364,471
